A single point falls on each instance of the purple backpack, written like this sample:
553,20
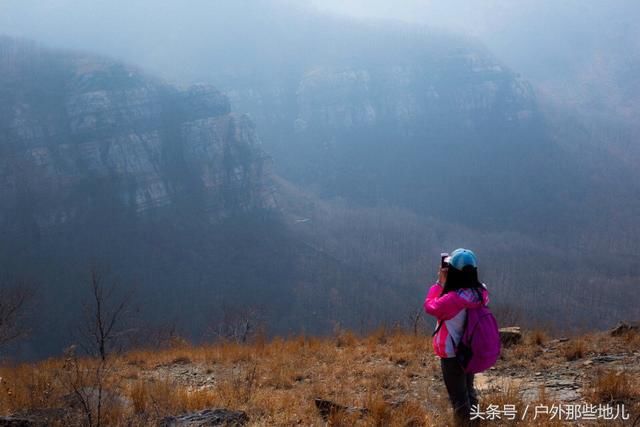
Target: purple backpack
479,347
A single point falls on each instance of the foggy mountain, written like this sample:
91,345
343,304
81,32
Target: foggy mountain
288,66
580,53
581,57
169,196
368,148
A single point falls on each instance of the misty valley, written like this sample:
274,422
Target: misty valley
319,212
305,192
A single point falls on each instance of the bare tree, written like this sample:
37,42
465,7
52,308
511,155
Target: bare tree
12,303
104,313
414,319
237,324
102,332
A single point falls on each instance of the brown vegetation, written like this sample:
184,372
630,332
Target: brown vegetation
394,375
613,386
575,350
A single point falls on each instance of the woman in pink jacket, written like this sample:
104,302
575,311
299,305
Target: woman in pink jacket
456,290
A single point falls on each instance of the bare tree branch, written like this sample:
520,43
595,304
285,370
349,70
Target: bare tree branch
237,324
12,304
86,380
104,315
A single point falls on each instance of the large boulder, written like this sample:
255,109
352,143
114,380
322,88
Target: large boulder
510,336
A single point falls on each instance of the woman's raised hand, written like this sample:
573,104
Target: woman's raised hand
442,276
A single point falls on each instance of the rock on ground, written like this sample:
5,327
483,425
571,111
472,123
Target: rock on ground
17,422
623,327
208,417
326,408
510,335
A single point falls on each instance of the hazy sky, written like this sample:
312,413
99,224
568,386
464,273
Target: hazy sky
567,47
580,50
449,14
516,30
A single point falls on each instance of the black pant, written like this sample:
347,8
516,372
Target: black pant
460,388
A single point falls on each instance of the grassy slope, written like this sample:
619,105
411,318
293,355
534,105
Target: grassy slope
393,374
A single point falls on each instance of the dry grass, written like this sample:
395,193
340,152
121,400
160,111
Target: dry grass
576,349
632,339
537,337
394,375
274,382
508,396
613,386
23,387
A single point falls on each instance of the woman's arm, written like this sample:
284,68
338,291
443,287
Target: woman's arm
445,307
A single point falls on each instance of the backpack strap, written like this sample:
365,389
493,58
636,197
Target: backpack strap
438,328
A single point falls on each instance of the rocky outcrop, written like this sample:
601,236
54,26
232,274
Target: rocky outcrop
77,131
510,335
623,328
387,123
403,96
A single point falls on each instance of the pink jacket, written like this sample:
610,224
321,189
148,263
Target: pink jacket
452,310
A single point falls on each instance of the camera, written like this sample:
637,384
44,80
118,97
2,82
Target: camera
444,261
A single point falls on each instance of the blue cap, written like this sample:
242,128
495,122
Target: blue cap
461,258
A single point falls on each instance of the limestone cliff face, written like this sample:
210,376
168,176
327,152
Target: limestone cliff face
466,87
78,130
408,96
405,125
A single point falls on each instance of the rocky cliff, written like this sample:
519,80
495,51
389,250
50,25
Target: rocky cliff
78,130
403,122
404,94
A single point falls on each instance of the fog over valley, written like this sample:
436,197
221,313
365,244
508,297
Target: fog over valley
235,168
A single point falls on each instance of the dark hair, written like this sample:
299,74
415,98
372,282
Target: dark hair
461,279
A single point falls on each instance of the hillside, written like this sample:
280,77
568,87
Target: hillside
388,378
376,112
173,196
229,213
371,120
105,167
313,186
169,197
